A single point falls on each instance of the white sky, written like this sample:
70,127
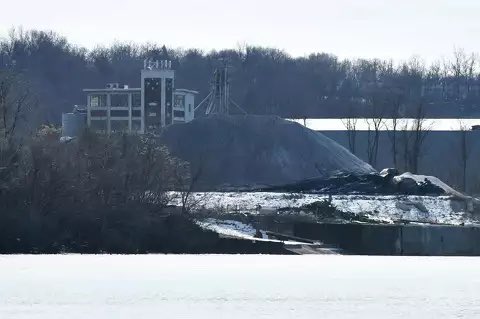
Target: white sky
395,29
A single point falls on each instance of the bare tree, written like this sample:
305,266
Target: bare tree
351,126
435,71
471,72
393,126
15,101
376,99
373,136
445,73
392,131
464,151
186,183
405,145
419,131
412,139
459,67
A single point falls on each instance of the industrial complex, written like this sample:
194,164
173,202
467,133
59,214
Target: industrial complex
119,108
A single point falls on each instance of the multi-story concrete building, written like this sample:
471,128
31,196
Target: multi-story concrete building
141,110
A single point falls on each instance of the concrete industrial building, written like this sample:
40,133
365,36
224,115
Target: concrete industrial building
156,104
147,109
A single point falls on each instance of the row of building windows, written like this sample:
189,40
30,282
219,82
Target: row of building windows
115,113
121,100
115,126
116,100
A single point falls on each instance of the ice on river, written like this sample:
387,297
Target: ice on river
238,286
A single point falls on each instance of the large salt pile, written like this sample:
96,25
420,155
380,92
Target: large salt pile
256,151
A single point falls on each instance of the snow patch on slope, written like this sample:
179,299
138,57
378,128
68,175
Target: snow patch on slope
228,227
232,228
419,179
435,209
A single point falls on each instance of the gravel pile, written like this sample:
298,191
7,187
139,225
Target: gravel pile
234,152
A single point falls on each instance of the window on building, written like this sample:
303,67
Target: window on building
117,113
168,100
136,100
98,113
180,101
119,100
97,100
178,113
136,113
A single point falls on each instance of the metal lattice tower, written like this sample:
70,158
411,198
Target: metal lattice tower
218,101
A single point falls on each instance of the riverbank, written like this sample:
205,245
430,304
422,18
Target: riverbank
125,231
354,238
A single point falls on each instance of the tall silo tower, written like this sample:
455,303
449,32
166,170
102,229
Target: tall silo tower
158,80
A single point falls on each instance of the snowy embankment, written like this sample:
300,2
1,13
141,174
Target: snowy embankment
239,230
430,209
229,228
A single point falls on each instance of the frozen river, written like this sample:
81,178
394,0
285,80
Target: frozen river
173,286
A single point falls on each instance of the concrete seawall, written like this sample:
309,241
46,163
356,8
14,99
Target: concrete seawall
415,240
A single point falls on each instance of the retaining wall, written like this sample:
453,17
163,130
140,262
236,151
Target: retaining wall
415,240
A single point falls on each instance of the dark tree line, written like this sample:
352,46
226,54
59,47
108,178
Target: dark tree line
94,194
264,80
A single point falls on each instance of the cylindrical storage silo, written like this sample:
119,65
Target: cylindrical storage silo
73,124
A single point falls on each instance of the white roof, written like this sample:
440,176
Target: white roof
362,124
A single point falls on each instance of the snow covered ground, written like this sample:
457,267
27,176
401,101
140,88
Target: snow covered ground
229,228
436,209
419,179
238,286
233,228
